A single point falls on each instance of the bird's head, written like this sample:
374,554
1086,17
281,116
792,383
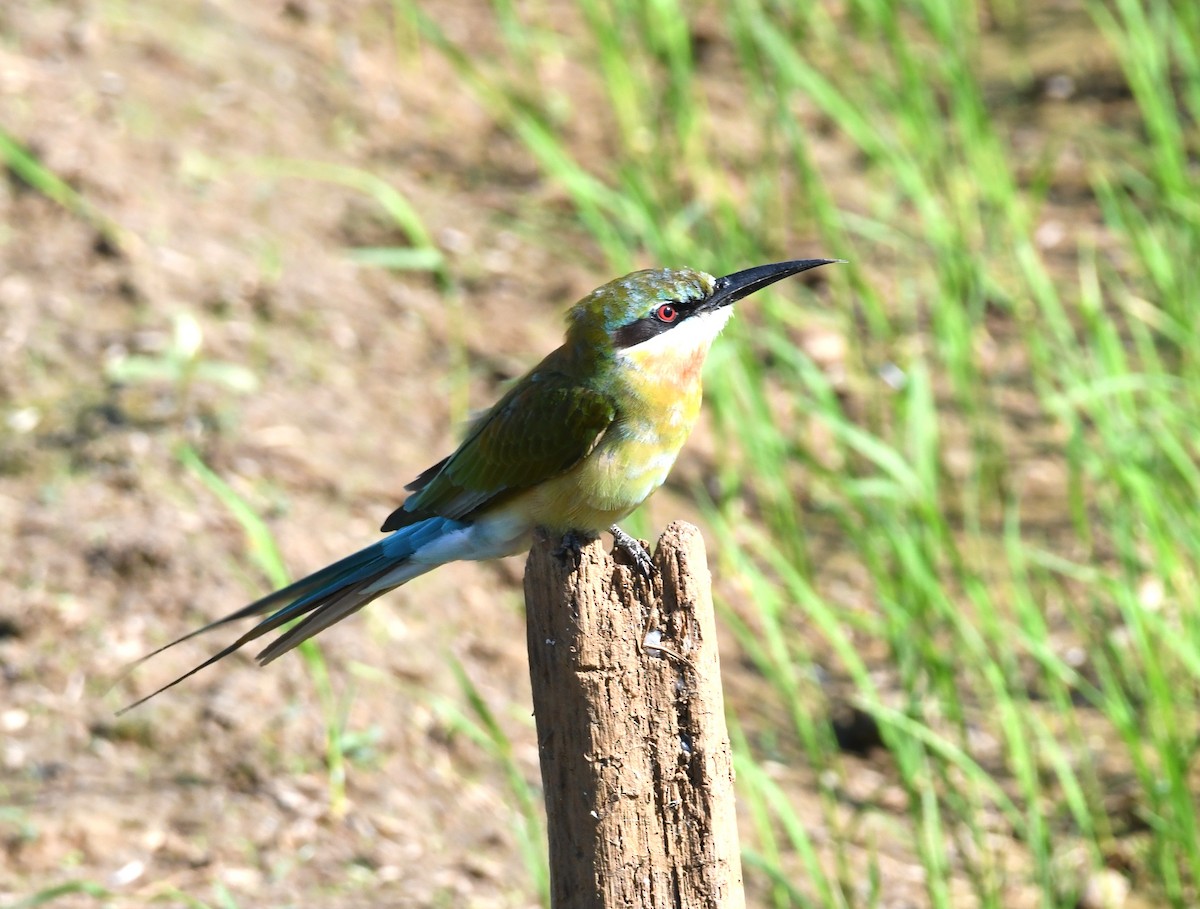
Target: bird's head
667,311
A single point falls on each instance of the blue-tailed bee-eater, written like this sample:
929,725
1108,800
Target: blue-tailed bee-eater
573,447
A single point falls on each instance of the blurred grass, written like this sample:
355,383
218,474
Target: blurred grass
24,164
99,895
481,725
1053,618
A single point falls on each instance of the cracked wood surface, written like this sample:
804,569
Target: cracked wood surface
635,757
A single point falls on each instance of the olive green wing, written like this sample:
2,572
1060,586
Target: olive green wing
545,425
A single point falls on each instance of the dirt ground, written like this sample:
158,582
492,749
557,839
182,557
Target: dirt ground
163,115
171,118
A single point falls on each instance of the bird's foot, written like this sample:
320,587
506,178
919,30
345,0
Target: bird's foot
635,550
570,547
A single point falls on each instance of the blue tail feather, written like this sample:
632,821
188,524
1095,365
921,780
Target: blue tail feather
329,594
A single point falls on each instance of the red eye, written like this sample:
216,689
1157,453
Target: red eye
666,313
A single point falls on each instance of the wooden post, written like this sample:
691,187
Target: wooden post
635,756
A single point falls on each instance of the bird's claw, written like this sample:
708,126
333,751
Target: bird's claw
635,550
571,547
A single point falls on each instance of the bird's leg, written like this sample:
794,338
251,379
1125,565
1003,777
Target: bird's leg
635,550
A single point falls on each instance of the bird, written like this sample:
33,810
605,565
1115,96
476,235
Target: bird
573,447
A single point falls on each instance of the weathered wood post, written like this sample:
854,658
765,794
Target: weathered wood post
635,756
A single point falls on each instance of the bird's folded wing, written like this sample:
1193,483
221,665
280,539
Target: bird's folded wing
545,425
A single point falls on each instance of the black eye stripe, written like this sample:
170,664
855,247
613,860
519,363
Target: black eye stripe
649,326
639,331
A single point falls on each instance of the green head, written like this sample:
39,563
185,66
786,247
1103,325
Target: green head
644,305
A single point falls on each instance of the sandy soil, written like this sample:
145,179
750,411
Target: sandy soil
171,118
168,120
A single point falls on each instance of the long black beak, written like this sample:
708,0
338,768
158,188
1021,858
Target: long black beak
731,288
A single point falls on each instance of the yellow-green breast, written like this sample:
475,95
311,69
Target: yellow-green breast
659,400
